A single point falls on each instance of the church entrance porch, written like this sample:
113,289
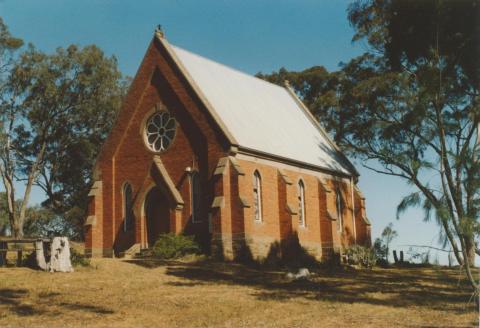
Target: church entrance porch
157,215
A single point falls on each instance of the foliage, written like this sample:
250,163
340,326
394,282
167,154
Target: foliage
380,251
172,246
381,246
43,222
55,111
422,257
388,234
360,255
409,107
78,259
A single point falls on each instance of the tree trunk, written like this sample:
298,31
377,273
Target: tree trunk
40,255
26,197
470,249
17,228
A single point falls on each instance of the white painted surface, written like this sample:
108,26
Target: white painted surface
60,255
260,115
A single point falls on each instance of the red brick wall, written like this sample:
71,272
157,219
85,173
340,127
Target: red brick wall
200,144
320,233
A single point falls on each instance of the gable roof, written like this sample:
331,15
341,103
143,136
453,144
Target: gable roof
261,116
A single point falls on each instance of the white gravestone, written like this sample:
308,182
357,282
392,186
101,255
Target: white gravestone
60,255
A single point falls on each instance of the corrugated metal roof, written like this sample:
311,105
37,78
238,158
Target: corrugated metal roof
260,115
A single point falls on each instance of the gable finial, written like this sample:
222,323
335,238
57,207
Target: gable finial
159,31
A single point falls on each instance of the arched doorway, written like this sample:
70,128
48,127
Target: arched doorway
157,215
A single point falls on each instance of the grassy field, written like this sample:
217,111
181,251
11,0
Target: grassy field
141,293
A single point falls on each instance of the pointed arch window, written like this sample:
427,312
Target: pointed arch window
257,195
127,207
195,196
339,205
301,204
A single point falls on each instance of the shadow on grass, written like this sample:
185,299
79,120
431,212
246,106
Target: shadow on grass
17,301
433,288
12,298
87,308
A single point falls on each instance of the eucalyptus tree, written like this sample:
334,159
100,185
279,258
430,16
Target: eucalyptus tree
412,105
56,110
9,47
409,107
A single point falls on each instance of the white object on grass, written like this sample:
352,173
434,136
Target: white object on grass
60,255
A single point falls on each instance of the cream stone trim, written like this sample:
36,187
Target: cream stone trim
221,166
168,181
93,192
244,202
285,177
97,185
133,250
330,215
323,184
124,183
159,107
195,88
291,210
236,166
97,173
91,220
303,200
359,192
139,209
218,202
366,220
220,170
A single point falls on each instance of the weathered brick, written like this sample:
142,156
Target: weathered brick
200,144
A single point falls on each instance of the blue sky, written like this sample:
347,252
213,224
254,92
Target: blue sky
251,36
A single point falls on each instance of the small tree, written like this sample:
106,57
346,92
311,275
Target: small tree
388,234
380,251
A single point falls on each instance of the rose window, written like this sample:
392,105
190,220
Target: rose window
160,131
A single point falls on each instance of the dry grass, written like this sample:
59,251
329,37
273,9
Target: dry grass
140,293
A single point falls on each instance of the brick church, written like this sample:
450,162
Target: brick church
203,149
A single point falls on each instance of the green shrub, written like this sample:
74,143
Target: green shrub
78,259
172,246
360,255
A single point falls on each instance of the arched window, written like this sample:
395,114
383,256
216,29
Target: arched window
257,195
339,205
195,194
127,207
301,204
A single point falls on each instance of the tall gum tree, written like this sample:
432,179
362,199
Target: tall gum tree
55,111
409,107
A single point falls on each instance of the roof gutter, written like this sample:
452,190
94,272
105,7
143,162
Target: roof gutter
286,160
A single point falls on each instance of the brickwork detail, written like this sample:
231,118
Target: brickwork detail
226,224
